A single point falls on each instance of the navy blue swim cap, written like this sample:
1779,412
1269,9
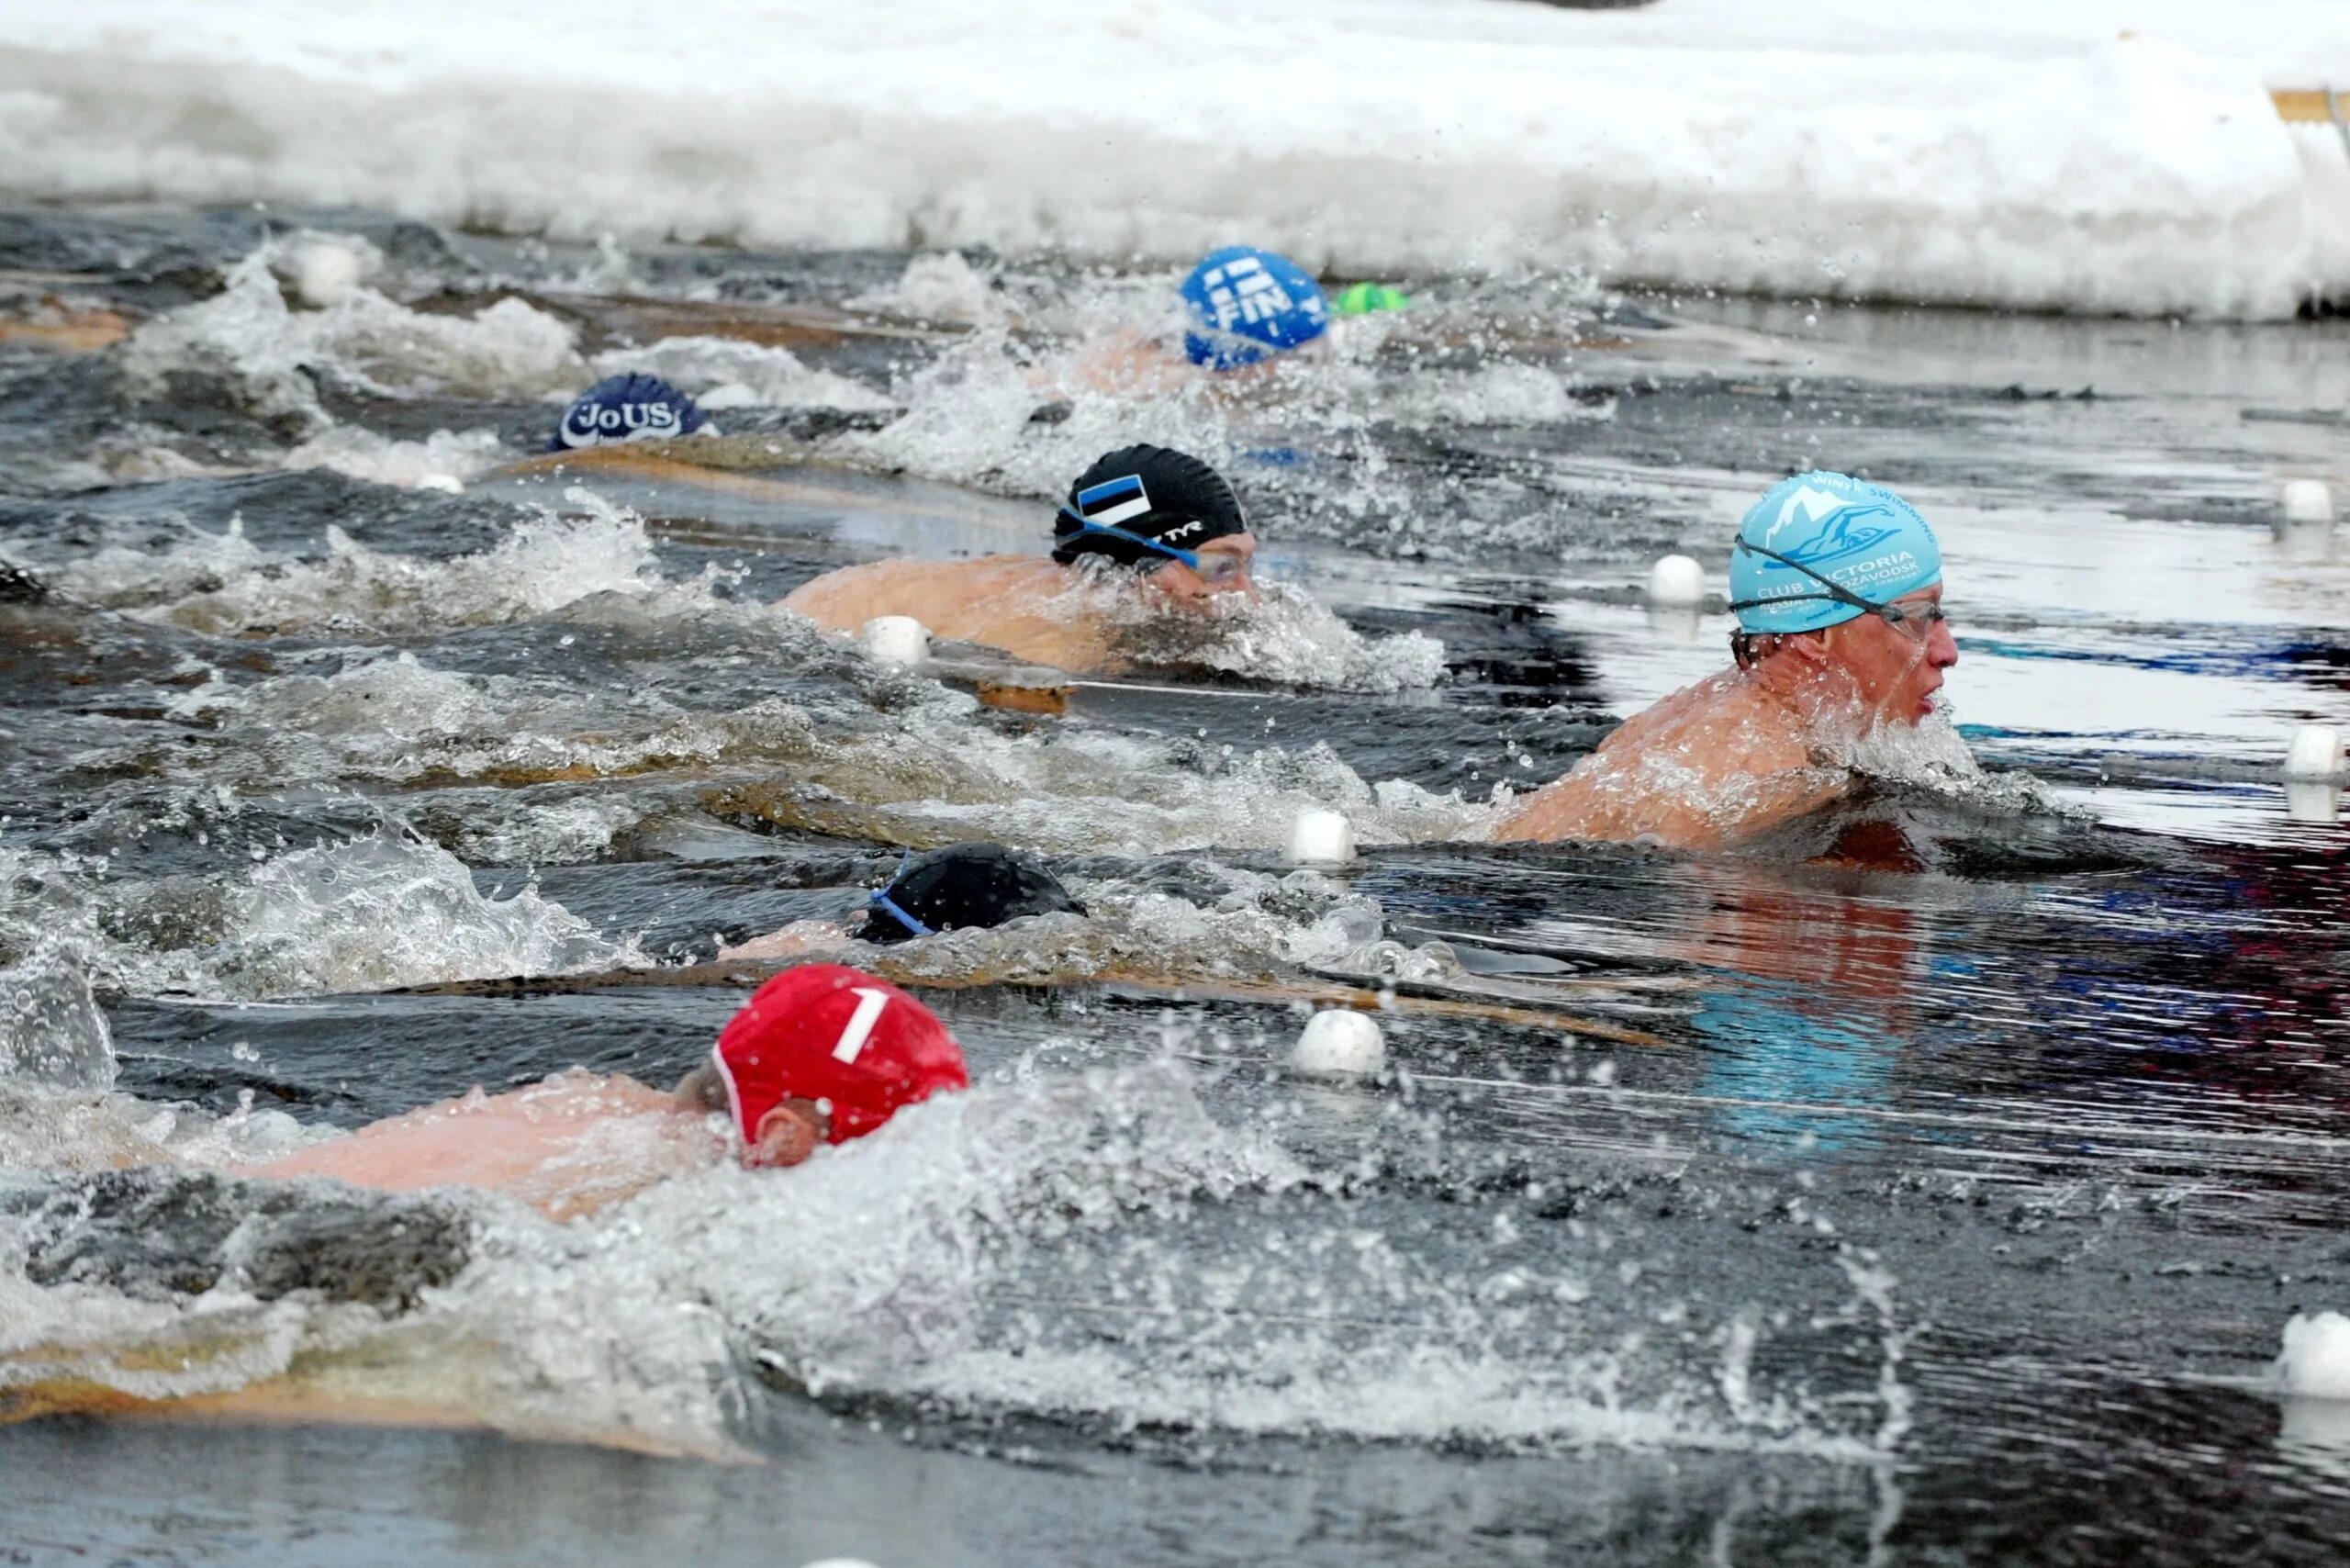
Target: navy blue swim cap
1246,305
960,887
632,406
1861,537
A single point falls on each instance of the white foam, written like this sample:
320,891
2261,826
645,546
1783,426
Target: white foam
443,461
724,373
223,584
247,334
941,287
2017,154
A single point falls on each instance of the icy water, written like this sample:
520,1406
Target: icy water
1928,1183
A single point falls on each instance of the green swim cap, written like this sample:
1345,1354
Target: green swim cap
1366,298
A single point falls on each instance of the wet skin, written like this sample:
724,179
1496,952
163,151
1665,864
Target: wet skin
1749,748
1005,601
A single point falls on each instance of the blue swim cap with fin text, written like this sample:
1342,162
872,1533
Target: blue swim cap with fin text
1244,304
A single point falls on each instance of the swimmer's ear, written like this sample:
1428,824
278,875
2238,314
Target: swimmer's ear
1809,645
787,1136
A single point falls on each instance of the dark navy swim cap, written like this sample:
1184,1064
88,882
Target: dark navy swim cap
963,886
634,407
1140,504
1861,537
1246,305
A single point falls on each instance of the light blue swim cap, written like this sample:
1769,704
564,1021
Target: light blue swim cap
1246,305
1861,537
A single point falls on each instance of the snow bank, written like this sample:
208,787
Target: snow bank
2001,152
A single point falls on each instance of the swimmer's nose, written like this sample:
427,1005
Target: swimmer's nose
1941,648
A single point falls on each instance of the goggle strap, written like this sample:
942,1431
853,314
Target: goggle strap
889,906
1087,525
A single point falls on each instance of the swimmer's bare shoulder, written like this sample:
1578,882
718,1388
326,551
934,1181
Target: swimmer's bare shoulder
1701,769
996,601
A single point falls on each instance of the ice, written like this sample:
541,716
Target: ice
2103,156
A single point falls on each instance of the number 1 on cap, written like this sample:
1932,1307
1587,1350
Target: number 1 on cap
869,1004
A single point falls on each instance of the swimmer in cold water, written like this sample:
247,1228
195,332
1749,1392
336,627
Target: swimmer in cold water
1244,309
962,887
625,407
1160,529
820,1054
1836,585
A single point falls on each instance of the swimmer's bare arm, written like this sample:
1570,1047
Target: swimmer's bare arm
797,940
1013,603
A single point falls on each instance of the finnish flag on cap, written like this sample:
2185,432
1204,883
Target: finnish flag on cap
628,407
1115,501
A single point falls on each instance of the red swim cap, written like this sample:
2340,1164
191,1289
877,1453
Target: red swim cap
822,1032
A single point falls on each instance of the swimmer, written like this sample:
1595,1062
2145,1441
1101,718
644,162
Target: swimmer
820,1054
1159,528
960,887
1244,309
1836,585
631,407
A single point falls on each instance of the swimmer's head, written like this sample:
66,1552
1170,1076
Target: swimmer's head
1243,305
1159,512
826,1053
1820,548
961,887
1824,552
626,408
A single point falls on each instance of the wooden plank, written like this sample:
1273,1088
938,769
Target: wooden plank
2306,106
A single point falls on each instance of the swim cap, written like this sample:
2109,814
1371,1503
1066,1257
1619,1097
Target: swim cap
961,887
1861,537
1368,299
1246,305
626,408
1140,493
822,1032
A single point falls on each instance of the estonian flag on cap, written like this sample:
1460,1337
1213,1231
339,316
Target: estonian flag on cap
1113,502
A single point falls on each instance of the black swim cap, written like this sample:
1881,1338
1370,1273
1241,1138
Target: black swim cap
1145,493
961,886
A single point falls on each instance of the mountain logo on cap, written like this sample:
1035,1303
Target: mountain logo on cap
1831,526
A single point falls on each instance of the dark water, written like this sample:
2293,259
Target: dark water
1930,1183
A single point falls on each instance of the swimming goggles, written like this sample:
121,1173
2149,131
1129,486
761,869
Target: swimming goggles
889,906
1220,569
1900,617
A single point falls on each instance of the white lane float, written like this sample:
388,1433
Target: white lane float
2315,753
1676,581
1338,1042
1320,838
899,641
